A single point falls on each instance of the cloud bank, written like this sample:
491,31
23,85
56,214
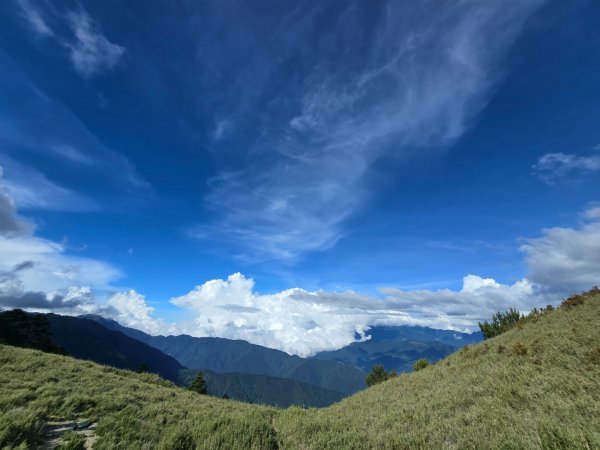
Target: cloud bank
559,262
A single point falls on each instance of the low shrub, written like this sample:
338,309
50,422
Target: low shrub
420,364
579,299
378,374
593,356
519,349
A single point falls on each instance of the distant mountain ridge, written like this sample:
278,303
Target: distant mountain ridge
86,339
423,334
397,355
395,347
226,355
263,389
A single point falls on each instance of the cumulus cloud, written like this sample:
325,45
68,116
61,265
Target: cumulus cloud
566,259
130,309
91,52
295,320
401,80
303,323
555,165
33,264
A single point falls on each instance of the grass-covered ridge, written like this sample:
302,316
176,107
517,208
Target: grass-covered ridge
535,386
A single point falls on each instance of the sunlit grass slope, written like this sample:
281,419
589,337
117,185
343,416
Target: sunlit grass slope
535,386
133,411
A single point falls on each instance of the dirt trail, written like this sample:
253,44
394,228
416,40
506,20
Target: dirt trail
54,432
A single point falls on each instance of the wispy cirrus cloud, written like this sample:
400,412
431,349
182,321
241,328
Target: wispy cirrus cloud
34,18
553,166
34,124
33,190
399,82
91,53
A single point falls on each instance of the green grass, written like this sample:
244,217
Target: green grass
132,410
535,386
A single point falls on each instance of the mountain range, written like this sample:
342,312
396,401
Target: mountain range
235,368
536,385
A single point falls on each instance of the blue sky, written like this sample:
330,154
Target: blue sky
376,150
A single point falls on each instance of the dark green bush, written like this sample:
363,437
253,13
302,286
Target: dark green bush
378,374
420,364
501,322
198,385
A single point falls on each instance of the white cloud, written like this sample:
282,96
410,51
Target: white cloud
592,214
302,322
72,154
10,223
54,269
420,82
222,129
560,262
130,309
91,53
294,320
555,165
34,18
32,189
566,259
33,264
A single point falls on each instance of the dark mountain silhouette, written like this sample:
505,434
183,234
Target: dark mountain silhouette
85,339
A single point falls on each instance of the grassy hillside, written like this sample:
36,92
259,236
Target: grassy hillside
536,386
84,339
132,410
